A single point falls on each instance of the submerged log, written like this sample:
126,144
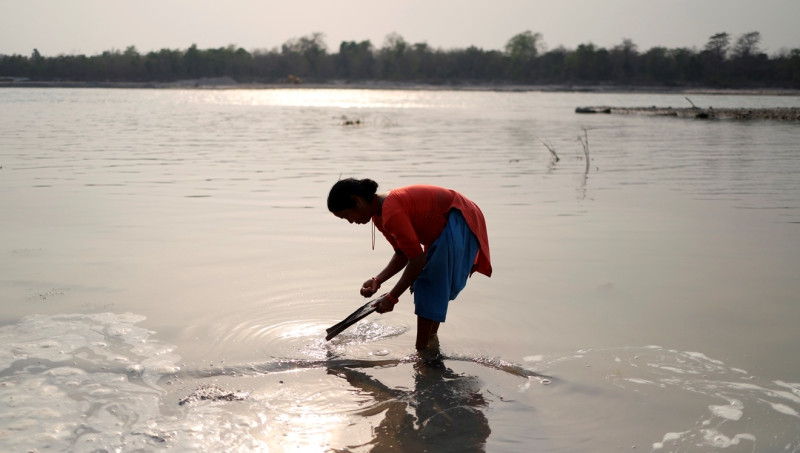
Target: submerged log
593,110
785,114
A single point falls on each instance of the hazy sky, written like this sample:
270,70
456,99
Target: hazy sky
92,26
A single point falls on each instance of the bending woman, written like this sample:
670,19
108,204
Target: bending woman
438,236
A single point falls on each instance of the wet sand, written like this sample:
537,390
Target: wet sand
223,83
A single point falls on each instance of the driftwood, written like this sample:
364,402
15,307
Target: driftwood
547,145
787,114
585,143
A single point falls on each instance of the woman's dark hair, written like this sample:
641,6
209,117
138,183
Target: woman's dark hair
341,195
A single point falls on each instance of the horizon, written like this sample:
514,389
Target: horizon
334,49
91,27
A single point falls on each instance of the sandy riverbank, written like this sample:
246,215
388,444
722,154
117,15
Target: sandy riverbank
229,83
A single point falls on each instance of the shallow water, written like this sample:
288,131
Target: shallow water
159,243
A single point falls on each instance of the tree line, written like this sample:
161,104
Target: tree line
723,62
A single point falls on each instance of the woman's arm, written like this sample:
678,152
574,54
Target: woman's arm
395,265
413,269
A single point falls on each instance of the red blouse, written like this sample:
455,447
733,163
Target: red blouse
413,217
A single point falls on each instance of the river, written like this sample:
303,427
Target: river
160,247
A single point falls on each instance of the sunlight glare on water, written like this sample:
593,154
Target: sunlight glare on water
344,98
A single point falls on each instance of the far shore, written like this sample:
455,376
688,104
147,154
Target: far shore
226,83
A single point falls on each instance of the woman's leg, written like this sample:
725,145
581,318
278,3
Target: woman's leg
426,328
449,263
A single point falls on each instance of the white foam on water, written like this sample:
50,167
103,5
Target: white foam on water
784,409
85,383
729,412
714,438
668,437
795,388
676,370
79,382
638,381
702,357
791,396
734,401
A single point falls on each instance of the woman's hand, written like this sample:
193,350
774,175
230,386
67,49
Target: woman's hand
370,287
383,305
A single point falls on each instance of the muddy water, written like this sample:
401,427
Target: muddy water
168,246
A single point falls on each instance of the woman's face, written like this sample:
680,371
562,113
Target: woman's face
360,214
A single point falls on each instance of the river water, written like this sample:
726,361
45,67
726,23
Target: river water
168,269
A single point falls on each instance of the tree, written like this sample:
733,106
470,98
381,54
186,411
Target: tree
623,57
390,56
310,45
355,60
522,50
718,45
657,65
524,46
787,67
522,60
15,66
688,66
749,66
747,45
474,64
394,42
586,63
552,65
164,65
307,54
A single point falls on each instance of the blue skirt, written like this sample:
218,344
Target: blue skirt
448,264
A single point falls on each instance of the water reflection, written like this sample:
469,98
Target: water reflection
336,98
443,412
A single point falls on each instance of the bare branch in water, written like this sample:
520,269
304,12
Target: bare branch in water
690,102
585,143
550,148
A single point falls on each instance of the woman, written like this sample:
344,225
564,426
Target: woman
439,239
